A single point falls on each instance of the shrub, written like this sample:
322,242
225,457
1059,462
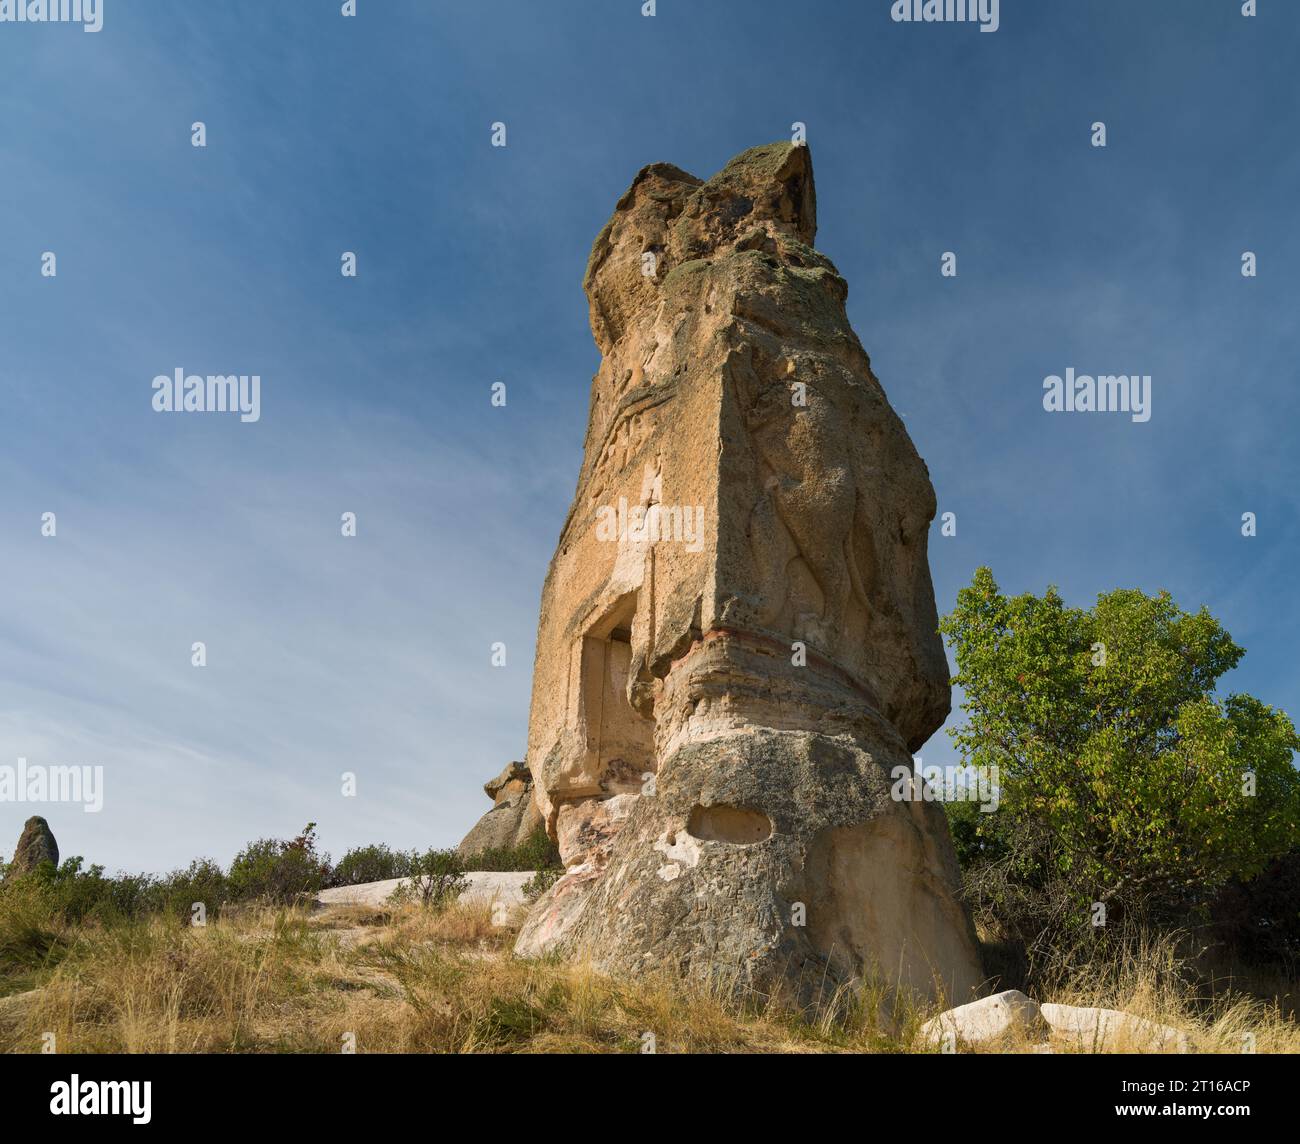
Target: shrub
279,871
30,924
539,883
78,894
436,880
538,852
202,880
375,863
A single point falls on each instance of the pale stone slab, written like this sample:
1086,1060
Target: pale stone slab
505,886
1111,1030
987,1020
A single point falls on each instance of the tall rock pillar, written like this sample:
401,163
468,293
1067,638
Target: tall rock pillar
738,645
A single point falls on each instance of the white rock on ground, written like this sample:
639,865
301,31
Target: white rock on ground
1110,1030
988,1019
505,887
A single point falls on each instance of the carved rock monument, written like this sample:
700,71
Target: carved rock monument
738,641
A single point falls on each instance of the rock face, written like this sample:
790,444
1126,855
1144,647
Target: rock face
513,818
35,845
738,641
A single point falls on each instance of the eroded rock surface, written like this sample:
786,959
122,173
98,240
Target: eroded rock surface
738,641
514,817
36,844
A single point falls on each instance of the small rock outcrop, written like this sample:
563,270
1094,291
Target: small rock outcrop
513,819
987,1020
738,648
1011,1016
36,844
1111,1031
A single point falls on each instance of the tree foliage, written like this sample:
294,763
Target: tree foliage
1112,744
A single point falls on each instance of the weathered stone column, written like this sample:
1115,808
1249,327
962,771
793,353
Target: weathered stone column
738,641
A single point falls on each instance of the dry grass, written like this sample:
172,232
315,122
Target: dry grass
410,980
1149,976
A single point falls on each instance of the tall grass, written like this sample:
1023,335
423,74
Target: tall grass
418,980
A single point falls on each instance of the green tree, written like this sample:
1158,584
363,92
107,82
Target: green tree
1109,739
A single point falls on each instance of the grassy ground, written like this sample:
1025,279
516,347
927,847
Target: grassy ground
411,980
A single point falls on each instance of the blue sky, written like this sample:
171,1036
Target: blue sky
372,134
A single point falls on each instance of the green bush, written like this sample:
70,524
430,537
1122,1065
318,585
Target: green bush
539,883
376,863
202,880
36,908
276,871
79,894
436,880
30,924
537,853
